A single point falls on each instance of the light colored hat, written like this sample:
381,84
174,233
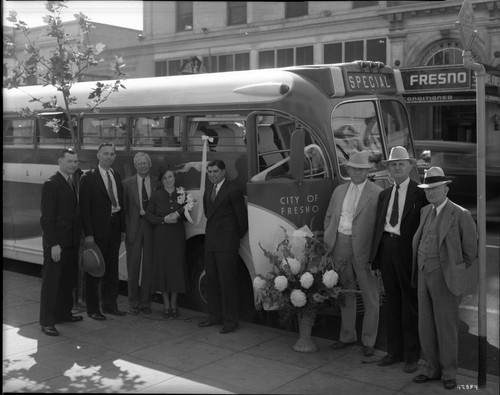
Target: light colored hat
360,160
92,261
434,177
398,153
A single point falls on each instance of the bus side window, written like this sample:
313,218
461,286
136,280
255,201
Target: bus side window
46,134
18,132
269,153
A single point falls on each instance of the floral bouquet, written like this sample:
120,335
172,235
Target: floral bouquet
187,202
303,278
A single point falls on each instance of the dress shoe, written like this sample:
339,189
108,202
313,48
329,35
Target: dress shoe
206,323
73,318
134,311
422,378
50,330
97,316
339,345
368,351
174,313
114,312
225,330
146,310
410,367
389,359
449,384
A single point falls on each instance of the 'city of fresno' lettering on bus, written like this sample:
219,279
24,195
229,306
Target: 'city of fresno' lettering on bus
292,205
362,81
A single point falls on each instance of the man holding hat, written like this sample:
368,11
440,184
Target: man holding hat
398,217
444,246
349,222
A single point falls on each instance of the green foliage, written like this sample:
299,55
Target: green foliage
67,63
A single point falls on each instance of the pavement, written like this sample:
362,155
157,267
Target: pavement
147,354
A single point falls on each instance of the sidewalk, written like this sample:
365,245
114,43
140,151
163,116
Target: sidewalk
146,354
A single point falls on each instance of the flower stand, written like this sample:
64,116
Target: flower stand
305,343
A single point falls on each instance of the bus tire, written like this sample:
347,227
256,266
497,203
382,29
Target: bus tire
197,295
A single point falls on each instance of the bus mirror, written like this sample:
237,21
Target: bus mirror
297,155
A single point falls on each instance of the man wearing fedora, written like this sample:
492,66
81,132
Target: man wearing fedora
349,222
103,220
139,241
444,247
398,217
61,235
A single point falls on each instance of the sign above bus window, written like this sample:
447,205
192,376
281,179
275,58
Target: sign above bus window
436,78
370,83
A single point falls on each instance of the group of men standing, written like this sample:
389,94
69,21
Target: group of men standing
107,211
421,251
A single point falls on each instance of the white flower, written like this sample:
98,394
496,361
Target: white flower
258,283
294,265
280,283
330,278
298,298
299,233
306,280
318,298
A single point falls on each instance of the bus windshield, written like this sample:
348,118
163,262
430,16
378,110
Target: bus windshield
356,126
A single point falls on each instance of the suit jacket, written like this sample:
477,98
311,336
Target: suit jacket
410,219
457,245
96,205
362,224
60,220
227,219
132,205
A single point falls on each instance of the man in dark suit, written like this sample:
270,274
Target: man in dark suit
398,217
61,235
139,241
103,220
227,222
444,247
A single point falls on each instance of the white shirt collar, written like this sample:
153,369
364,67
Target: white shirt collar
440,207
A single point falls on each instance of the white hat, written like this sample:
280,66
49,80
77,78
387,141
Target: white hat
398,153
434,177
360,160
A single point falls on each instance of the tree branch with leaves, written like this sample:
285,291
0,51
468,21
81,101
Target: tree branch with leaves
66,64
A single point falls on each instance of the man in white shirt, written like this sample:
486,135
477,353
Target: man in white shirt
349,222
137,191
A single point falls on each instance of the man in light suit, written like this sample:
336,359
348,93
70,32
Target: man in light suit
103,222
398,217
227,222
139,241
349,223
61,234
444,246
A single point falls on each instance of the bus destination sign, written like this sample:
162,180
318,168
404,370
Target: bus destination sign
370,83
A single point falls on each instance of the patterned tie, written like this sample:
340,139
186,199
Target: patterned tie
110,191
395,208
145,198
214,193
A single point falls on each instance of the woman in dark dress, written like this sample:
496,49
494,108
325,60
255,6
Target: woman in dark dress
169,248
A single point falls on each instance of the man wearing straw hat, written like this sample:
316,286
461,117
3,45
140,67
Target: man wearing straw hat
349,222
444,246
398,217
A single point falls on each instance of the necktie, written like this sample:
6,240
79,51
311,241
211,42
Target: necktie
395,208
145,198
354,197
433,215
214,193
110,191
70,182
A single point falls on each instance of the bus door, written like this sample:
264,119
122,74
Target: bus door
292,187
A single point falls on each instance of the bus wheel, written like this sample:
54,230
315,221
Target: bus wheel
197,295
246,299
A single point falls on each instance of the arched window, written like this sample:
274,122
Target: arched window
446,56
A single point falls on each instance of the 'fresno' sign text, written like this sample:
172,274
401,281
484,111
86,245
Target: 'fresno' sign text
436,78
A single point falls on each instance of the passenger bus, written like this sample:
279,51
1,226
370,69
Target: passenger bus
284,134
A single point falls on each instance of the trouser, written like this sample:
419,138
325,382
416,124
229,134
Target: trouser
58,281
110,248
369,287
400,302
